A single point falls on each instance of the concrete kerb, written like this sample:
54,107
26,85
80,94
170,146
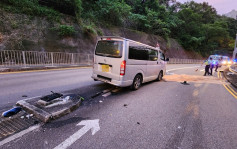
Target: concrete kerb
2,70
45,116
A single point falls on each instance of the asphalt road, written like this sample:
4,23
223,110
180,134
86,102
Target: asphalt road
163,115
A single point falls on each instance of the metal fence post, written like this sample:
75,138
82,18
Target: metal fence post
88,59
24,58
72,59
52,58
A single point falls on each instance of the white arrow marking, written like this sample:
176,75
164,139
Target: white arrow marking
88,124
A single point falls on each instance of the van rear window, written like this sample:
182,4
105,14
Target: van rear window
109,48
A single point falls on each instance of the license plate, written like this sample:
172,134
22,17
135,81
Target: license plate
105,68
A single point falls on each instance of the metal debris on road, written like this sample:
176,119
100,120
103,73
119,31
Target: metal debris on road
28,116
11,112
51,96
97,94
185,83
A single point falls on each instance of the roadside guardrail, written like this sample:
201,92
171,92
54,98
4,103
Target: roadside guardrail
35,58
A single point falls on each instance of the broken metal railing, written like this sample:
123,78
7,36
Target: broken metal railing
35,58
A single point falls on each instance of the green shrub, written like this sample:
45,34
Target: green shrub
66,30
29,7
89,29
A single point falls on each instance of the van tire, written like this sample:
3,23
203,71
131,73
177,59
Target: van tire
160,76
137,82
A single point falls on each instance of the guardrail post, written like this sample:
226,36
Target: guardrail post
24,58
72,59
88,59
52,58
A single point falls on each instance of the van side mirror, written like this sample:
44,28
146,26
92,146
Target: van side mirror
167,59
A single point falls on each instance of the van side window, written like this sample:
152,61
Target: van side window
162,56
152,55
137,53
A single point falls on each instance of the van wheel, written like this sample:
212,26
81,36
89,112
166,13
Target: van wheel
160,76
137,82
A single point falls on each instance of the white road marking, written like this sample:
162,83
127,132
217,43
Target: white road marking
88,124
20,134
181,68
202,70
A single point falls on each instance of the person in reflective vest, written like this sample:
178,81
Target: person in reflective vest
207,67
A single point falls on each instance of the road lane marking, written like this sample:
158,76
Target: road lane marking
20,134
228,88
230,91
43,70
92,125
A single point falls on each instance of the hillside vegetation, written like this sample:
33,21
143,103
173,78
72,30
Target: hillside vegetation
196,26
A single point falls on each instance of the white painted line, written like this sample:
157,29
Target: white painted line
181,68
107,94
88,124
20,134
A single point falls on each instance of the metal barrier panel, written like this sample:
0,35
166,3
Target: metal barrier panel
36,58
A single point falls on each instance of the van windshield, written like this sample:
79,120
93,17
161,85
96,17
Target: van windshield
109,48
215,57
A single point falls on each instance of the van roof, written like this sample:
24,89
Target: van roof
127,40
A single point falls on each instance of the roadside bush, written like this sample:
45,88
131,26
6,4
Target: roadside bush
66,30
29,7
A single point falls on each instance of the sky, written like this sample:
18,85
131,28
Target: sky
222,6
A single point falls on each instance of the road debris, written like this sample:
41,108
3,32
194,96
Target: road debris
97,94
125,105
24,96
179,127
100,101
28,116
22,117
51,96
138,123
185,83
11,112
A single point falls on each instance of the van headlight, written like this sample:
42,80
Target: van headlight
224,62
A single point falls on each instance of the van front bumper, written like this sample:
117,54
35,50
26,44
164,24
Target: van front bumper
113,82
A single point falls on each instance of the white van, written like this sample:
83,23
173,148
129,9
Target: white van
123,62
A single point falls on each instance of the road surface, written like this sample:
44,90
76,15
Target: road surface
163,115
